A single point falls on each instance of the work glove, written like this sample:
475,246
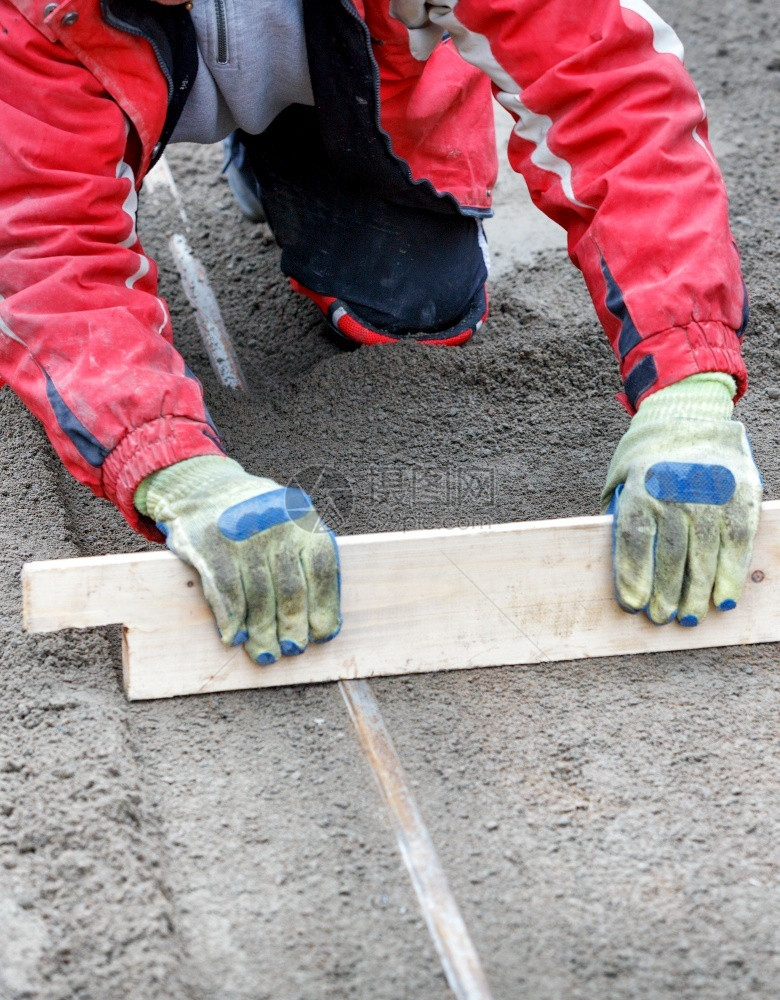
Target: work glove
423,35
268,565
686,497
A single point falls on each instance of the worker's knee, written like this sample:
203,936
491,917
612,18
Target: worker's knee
378,269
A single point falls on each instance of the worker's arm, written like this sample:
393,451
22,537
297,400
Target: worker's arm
611,138
85,340
86,343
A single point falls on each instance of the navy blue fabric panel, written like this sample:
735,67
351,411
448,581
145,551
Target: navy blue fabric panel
85,443
628,339
215,439
191,374
745,312
629,335
640,378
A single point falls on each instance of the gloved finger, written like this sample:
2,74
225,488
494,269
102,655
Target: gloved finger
423,36
736,549
671,550
703,549
412,13
423,41
320,562
633,546
262,645
224,593
730,576
292,618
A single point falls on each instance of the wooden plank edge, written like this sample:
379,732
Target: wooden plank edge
318,674
79,563
71,576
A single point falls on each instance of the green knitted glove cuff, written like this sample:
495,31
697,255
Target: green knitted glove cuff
709,396
180,479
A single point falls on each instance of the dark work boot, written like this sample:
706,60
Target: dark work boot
241,179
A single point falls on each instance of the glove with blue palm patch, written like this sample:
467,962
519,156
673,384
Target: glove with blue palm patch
268,565
686,495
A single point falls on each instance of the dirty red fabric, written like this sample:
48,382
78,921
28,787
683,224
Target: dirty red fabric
85,340
610,137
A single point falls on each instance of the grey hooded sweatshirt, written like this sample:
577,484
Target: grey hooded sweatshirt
251,65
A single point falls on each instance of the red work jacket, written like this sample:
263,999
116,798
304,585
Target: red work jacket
610,136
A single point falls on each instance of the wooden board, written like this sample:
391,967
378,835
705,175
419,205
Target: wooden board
412,601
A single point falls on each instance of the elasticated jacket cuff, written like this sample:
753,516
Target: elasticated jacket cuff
665,358
153,446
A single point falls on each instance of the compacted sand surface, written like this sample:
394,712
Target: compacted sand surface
609,827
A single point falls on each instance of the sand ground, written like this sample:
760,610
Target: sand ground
609,827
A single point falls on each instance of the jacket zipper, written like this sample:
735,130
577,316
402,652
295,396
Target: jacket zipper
222,39
129,29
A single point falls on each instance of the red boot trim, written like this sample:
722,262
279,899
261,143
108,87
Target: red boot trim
344,322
